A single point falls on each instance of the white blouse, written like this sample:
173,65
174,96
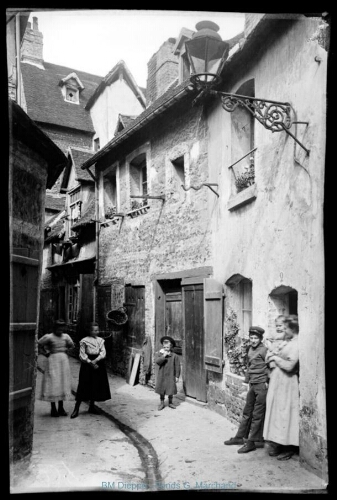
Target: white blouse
93,346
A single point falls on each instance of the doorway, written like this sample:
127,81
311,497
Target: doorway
179,314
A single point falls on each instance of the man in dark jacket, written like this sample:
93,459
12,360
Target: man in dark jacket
257,376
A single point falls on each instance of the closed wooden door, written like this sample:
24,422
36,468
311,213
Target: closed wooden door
135,306
23,315
195,373
103,306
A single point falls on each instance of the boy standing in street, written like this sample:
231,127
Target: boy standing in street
257,376
168,371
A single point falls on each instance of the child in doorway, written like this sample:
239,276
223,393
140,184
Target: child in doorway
167,371
275,343
255,407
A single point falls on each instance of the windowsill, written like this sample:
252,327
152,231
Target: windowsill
246,196
138,211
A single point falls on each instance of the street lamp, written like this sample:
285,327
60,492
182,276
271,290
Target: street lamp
206,53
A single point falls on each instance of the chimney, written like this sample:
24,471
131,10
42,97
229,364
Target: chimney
32,45
162,71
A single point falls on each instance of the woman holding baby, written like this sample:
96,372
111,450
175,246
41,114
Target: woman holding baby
281,426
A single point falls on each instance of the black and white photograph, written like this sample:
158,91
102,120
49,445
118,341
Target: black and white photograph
167,256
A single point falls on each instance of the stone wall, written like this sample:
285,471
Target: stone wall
162,70
27,180
172,235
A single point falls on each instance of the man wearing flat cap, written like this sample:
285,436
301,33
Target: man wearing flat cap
167,371
257,375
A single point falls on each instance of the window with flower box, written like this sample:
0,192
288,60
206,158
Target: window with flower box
138,181
110,192
242,141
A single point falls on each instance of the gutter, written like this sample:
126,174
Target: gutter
117,140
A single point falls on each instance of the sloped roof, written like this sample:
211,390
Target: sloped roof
79,156
123,122
111,77
53,203
25,129
87,216
45,102
57,228
174,93
76,157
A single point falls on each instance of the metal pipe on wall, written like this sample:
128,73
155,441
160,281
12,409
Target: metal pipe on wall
18,59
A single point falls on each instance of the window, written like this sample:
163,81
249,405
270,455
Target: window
110,192
96,144
72,95
242,133
179,170
138,181
245,292
72,303
75,206
240,299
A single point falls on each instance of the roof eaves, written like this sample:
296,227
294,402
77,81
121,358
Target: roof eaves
181,90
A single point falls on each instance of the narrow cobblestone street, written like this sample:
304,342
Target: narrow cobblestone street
92,452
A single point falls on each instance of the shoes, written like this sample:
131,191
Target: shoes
258,444
74,413
171,405
93,410
54,412
275,451
161,406
234,440
247,447
62,412
285,455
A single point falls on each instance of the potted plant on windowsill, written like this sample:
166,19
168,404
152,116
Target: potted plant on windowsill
110,211
246,179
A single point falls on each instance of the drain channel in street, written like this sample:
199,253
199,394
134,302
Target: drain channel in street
145,450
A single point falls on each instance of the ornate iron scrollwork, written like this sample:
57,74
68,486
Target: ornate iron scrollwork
273,115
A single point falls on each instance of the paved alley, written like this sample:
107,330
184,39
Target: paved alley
92,452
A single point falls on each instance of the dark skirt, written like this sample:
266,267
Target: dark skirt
93,384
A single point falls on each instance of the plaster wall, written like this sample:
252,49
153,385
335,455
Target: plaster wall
116,98
277,239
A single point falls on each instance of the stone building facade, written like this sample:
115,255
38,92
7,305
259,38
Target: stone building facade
202,263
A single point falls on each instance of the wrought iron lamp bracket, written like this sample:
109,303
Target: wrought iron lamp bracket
273,115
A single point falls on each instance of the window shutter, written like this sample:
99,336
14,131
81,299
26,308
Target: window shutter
213,325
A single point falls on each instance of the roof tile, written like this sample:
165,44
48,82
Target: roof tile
45,102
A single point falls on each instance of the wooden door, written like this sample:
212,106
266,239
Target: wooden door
135,306
174,318
103,306
85,316
195,373
24,292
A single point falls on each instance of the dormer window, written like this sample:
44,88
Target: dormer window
72,95
71,86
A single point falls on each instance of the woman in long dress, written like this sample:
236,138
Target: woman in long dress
281,425
56,384
93,384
